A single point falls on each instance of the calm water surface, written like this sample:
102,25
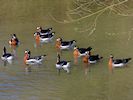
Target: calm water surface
113,35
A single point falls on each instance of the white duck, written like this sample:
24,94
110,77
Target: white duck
32,60
118,62
62,64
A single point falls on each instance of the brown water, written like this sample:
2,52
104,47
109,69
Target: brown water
113,35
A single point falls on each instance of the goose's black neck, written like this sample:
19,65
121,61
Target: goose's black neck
4,50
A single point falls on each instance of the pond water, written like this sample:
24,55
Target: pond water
113,34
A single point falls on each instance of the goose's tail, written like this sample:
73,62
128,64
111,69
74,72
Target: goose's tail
126,60
89,48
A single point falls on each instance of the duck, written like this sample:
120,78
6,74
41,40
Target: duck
117,63
65,65
94,58
46,31
47,38
28,60
82,51
14,40
66,45
7,56
43,31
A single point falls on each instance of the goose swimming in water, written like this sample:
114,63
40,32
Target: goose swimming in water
47,38
62,64
66,45
94,58
7,56
44,38
118,62
32,60
82,51
43,31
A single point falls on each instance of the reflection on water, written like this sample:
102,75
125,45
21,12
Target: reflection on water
5,63
20,86
28,69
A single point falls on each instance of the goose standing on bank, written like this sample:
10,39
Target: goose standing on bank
118,62
62,64
65,45
32,60
7,56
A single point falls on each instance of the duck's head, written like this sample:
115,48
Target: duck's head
27,52
53,33
87,53
50,28
14,35
43,56
39,28
36,33
111,56
59,39
75,48
26,56
74,41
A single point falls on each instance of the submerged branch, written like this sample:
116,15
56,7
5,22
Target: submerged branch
89,15
100,11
